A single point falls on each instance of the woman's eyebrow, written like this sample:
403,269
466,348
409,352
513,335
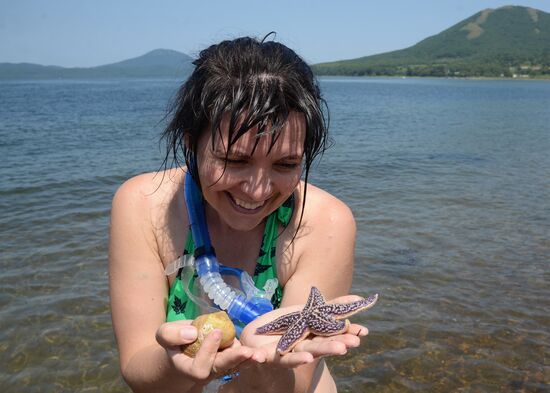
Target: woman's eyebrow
234,153
291,157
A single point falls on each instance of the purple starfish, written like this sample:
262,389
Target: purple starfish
317,317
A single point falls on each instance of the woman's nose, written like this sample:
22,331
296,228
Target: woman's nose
259,185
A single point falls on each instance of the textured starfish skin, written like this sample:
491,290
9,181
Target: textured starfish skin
317,317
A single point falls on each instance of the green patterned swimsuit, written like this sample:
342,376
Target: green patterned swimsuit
181,307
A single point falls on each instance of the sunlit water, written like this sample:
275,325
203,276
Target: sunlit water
449,181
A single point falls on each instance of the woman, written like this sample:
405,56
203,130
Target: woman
249,123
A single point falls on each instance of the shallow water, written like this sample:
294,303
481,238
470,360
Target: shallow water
448,179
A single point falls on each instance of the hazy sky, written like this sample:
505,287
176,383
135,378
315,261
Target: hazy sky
88,33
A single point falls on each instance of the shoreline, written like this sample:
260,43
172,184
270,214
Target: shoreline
435,77
170,79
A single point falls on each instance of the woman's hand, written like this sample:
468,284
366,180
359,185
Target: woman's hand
307,350
279,372
208,363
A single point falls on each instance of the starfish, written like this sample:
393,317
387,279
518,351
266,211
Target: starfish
317,317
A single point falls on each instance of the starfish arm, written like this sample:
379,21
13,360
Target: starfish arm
344,310
296,333
323,325
315,299
279,325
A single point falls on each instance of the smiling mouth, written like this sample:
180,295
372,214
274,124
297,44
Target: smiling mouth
249,207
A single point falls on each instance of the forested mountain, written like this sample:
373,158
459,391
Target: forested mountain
508,41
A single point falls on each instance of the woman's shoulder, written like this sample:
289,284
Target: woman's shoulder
324,208
151,185
149,193
326,219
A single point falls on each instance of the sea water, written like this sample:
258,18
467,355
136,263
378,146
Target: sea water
449,182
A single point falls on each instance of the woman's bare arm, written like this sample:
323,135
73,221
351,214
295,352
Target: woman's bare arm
149,347
325,251
138,290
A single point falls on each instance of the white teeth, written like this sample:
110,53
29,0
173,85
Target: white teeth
247,205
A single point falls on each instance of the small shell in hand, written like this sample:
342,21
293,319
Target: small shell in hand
205,324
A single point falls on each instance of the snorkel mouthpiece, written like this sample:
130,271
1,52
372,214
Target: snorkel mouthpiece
246,311
242,308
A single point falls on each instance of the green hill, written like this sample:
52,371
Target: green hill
157,63
508,41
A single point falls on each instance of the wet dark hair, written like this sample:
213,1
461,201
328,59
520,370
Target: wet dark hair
257,83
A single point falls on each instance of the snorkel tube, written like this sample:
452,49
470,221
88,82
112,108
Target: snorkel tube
241,307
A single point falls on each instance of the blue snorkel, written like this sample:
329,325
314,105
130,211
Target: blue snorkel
242,306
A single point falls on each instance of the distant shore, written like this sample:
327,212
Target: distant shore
542,78
176,79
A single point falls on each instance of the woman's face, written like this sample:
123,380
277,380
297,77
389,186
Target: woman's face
253,182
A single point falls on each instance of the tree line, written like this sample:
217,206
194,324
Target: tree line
498,67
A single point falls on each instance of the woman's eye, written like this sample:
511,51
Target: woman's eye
235,161
288,165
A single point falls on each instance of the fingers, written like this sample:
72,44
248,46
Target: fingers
231,359
293,359
208,362
177,333
357,330
201,366
345,299
288,360
257,354
320,347
336,345
267,354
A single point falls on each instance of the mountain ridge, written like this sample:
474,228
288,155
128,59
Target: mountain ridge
492,42
156,63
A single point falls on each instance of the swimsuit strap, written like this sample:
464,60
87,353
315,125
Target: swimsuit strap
266,264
